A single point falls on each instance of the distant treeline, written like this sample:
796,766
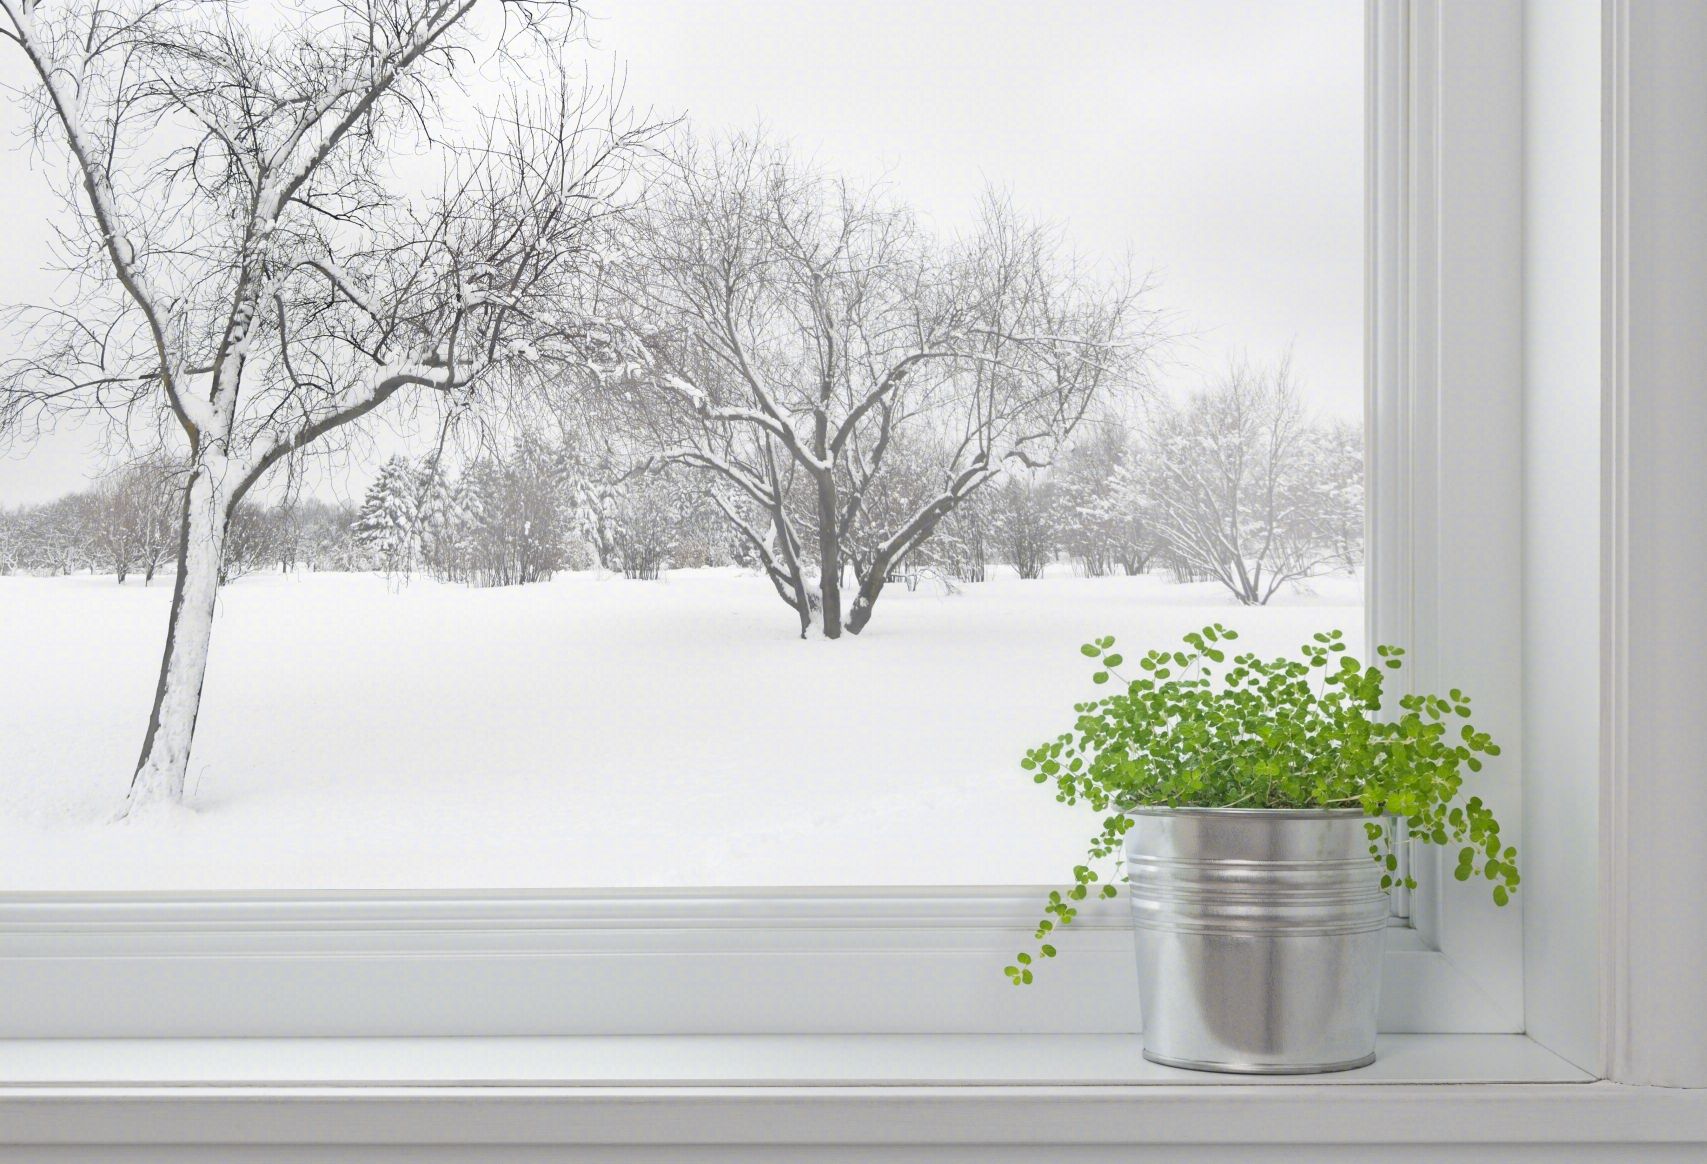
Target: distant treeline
1234,485
129,525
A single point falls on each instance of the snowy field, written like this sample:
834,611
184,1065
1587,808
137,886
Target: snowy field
589,731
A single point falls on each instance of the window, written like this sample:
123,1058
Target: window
894,957
1083,376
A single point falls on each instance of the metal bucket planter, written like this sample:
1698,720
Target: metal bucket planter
1260,934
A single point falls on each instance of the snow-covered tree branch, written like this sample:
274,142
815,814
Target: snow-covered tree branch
260,259
801,330
1242,488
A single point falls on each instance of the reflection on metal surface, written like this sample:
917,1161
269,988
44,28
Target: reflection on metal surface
1259,938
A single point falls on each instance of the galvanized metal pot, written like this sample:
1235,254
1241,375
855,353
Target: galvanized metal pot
1260,934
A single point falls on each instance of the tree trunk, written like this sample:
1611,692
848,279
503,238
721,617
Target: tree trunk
861,612
872,583
829,557
922,526
165,759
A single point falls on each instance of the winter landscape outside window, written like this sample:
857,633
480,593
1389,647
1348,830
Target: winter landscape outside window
648,473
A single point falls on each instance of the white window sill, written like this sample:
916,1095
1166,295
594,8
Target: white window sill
705,1094
731,1061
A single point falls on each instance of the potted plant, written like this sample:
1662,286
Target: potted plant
1254,809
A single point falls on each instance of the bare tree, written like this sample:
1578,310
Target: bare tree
255,266
905,481
645,520
964,543
113,526
802,330
1336,476
157,483
55,537
251,540
1025,523
134,513
512,523
11,541
1094,525
327,542
1233,487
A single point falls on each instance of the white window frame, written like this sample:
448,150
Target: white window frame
1444,342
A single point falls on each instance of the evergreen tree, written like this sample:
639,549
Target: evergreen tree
388,524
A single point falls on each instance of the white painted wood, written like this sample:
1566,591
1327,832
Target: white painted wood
1446,417
723,1061
979,1097
1029,1152
1446,361
1389,464
1561,533
1653,949
812,961
1654,812
1312,1121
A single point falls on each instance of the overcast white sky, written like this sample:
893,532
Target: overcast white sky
1220,142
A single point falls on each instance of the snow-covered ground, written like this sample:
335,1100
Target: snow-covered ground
590,731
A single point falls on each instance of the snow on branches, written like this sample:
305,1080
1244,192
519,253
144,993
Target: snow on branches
260,265
806,337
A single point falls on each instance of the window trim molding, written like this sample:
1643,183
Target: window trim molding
1652,1028
801,960
1445,421
773,962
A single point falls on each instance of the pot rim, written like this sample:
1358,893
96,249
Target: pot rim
1272,813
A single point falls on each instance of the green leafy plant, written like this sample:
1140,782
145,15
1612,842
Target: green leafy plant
1307,732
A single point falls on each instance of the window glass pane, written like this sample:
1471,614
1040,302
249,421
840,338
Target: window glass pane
1040,324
